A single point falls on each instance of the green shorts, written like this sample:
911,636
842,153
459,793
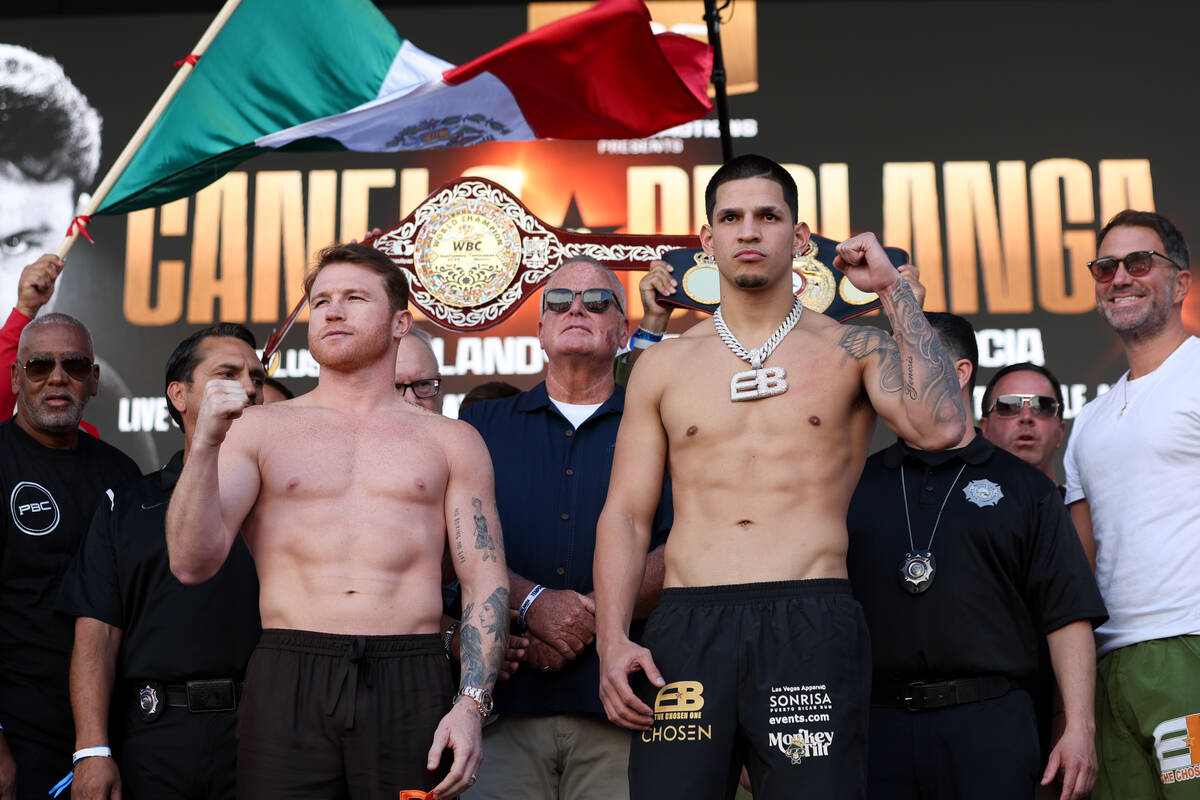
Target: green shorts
1148,720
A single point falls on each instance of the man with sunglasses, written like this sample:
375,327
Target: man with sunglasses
552,448
52,478
173,684
1023,413
1133,476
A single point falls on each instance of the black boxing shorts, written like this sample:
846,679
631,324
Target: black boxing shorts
775,677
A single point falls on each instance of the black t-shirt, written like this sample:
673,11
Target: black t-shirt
170,632
1009,565
50,495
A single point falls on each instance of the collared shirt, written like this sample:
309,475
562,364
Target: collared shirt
170,632
1009,565
49,496
551,483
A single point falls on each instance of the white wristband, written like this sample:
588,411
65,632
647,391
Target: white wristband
88,752
528,601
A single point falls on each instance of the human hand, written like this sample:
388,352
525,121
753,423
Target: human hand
1074,759
617,663
222,403
36,285
863,260
563,619
655,282
459,730
96,778
8,772
368,234
912,274
542,656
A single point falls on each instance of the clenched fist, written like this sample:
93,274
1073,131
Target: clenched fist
864,262
36,286
222,404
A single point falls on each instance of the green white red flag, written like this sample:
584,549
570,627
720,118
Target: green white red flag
334,74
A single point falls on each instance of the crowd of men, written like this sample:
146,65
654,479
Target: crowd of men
704,573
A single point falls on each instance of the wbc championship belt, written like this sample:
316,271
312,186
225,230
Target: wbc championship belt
473,253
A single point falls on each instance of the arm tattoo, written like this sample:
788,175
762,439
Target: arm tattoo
483,539
480,656
864,341
929,377
458,537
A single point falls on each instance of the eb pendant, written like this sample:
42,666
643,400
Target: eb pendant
917,571
755,384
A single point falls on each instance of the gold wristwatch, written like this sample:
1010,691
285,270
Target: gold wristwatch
482,698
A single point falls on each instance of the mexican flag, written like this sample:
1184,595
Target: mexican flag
334,74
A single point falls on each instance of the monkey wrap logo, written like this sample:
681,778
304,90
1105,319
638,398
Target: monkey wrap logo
33,509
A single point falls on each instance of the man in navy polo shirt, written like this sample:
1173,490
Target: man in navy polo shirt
552,449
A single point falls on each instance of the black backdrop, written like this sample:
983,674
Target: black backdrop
953,104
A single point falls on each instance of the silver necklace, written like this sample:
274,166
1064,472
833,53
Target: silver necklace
920,567
758,381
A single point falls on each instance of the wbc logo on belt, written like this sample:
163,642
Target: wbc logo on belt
33,509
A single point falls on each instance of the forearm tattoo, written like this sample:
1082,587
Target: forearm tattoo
927,369
481,641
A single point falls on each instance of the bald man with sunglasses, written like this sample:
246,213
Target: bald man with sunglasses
552,449
1133,478
52,478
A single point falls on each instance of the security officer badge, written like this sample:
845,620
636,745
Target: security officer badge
983,492
151,698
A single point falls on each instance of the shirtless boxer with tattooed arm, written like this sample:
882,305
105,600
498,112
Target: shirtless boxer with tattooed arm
758,653
345,496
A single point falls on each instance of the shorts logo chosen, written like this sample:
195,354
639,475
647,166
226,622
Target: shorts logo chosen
801,721
678,715
1177,743
33,508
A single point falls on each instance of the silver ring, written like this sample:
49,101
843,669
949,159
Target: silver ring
472,778
544,669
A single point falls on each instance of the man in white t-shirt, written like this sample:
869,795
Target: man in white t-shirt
1133,484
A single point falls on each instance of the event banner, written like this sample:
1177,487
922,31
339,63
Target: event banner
989,140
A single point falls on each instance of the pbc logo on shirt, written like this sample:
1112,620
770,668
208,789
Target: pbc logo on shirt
33,509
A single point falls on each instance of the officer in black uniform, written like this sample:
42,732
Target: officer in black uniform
52,478
961,560
171,657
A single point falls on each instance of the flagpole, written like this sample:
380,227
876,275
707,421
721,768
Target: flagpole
139,136
713,19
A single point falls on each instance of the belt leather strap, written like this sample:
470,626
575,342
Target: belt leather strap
926,695
221,694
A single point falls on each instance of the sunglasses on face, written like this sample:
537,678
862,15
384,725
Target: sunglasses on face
424,388
39,368
595,300
1137,264
1010,405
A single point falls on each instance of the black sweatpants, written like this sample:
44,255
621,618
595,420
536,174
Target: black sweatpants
776,676
333,716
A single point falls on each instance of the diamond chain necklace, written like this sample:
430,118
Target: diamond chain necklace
759,381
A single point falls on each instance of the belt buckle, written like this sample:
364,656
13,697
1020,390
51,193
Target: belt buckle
911,693
211,695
